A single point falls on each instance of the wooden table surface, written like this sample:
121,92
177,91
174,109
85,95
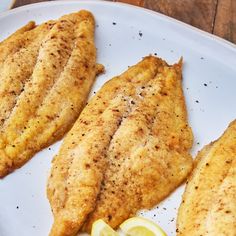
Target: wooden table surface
214,16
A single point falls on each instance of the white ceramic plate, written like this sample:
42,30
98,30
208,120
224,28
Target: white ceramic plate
6,4
124,34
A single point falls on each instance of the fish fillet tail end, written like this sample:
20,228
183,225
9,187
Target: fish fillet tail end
63,228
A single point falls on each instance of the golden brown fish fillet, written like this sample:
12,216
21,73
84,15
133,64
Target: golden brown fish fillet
43,97
209,202
15,41
17,67
128,150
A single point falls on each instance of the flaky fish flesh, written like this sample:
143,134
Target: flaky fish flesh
209,202
128,150
46,75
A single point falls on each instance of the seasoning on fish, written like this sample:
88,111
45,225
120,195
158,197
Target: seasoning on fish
209,207
128,150
46,76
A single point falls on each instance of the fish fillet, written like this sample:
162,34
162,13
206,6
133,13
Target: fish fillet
209,202
44,86
15,41
18,65
128,150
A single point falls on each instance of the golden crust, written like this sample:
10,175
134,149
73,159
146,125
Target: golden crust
128,150
15,41
44,87
208,206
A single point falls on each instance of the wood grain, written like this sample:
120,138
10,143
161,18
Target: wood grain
19,3
214,16
199,13
139,3
225,21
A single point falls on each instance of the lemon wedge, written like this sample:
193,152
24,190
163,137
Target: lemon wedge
100,228
138,226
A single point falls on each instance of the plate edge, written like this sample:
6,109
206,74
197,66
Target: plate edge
200,32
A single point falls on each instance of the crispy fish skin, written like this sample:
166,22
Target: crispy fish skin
128,150
55,92
209,207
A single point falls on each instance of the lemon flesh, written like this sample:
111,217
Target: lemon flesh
100,228
138,226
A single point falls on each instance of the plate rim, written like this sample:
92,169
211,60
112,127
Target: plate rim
221,41
9,6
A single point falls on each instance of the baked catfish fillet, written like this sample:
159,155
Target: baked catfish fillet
128,150
46,74
209,202
17,40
